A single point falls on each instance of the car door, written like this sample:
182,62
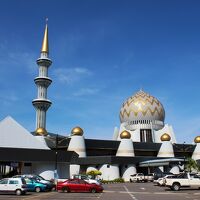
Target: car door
13,184
74,185
30,184
83,186
194,181
3,185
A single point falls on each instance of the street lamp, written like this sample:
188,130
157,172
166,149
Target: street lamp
184,156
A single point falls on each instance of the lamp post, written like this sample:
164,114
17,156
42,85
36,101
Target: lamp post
56,158
184,156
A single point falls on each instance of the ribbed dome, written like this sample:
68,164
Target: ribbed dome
77,131
41,131
197,139
165,137
125,135
142,106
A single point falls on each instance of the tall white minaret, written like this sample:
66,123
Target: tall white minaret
41,103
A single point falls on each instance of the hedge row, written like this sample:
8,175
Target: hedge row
117,180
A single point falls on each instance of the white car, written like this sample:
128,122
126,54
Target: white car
13,185
161,181
86,178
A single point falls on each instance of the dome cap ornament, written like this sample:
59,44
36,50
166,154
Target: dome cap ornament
41,132
77,131
165,137
45,43
197,139
125,135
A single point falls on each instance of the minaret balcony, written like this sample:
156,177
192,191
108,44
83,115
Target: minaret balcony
43,81
44,62
42,104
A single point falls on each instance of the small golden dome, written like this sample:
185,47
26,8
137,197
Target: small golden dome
77,131
197,139
165,137
125,135
41,132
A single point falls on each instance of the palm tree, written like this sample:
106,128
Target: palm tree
192,165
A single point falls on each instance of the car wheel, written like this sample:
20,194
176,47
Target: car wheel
65,189
18,192
176,186
38,189
93,190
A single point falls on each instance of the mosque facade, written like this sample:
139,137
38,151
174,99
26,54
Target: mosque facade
142,143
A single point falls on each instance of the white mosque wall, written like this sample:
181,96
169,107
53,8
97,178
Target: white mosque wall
166,129
196,153
74,169
135,135
46,170
127,171
175,169
166,149
125,148
109,172
91,168
77,144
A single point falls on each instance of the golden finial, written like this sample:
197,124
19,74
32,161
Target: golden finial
41,132
45,43
165,137
77,131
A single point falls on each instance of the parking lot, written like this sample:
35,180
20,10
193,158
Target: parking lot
125,191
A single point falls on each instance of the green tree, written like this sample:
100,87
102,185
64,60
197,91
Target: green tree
94,173
191,165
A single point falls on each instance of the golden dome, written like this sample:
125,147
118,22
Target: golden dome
41,132
142,106
197,139
165,137
77,131
125,135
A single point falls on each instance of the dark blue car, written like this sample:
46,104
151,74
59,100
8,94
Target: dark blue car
35,186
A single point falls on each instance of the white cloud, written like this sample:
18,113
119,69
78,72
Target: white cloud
86,91
71,75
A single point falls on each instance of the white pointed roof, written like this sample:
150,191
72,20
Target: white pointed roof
13,135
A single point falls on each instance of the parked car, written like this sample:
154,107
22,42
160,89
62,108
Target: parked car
35,186
50,184
13,185
137,177
78,185
161,181
183,180
149,177
86,178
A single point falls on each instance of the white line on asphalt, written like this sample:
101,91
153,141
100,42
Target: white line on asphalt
131,195
99,196
39,195
143,188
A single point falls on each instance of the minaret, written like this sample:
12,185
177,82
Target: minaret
41,103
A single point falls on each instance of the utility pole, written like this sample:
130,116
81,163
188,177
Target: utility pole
56,158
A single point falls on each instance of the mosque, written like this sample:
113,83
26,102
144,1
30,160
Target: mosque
142,143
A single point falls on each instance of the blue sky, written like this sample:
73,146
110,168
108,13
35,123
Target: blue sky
103,51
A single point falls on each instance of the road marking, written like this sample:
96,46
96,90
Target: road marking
143,188
130,194
39,195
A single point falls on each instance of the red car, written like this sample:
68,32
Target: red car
78,185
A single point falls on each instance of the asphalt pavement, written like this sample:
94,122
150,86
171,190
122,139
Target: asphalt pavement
119,191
